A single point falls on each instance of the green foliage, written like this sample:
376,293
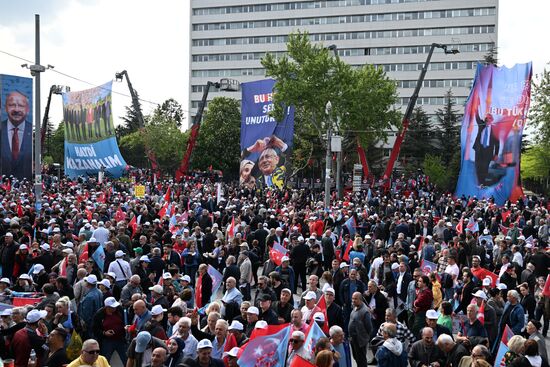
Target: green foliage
420,140
436,169
362,98
491,57
540,108
130,123
57,144
132,148
535,162
47,160
448,121
172,110
48,137
163,136
218,143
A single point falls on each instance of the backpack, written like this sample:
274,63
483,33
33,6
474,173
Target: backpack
446,280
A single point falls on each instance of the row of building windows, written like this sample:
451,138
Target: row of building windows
405,50
365,18
459,65
301,5
318,37
438,101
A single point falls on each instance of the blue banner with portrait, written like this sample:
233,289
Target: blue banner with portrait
90,142
492,128
16,126
266,144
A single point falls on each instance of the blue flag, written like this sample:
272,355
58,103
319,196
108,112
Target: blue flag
99,257
266,351
350,224
314,334
217,278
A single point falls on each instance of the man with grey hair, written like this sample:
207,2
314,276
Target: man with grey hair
184,332
425,352
453,351
391,353
340,345
513,316
129,289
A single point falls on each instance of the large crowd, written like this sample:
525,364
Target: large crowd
406,276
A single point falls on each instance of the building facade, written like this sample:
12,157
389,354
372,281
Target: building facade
229,37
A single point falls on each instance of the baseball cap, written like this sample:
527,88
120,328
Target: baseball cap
111,302
286,290
310,295
35,315
92,240
145,258
45,247
157,289
502,286
285,258
142,339
236,325
157,310
234,352
343,265
92,279
6,312
330,290
486,282
37,268
265,297
111,274
205,343
480,294
5,280
25,276
23,247
260,324
253,310
166,276
186,278
119,253
319,316
432,314
106,283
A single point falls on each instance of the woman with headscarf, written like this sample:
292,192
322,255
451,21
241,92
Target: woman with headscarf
175,352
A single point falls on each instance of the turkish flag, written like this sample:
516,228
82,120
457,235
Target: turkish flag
348,249
546,290
298,361
269,330
322,304
276,254
120,215
481,313
133,225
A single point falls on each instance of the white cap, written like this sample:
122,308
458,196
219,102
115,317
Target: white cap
145,258
67,251
106,283
35,315
393,266
92,279
310,295
186,278
92,240
5,280
23,247
157,289
69,244
45,247
253,310
111,274
25,276
157,310
319,316
285,258
167,275
343,265
111,302
236,325
6,312
260,324
486,282
9,234
432,314
329,290
480,294
205,343
234,352
119,253
286,290
37,268
502,286
522,237
485,231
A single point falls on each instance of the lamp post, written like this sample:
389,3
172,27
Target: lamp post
409,111
328,110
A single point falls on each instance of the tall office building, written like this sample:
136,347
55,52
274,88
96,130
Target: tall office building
229,37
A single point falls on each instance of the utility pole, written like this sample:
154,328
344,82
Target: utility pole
36,69
328,160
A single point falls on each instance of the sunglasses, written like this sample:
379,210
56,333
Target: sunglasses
92,351
295,340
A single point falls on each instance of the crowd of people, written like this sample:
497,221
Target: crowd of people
408,277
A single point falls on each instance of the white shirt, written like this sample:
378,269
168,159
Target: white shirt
375,265
190,349
400,282
20,133
115,268
517,258
453,270
101,234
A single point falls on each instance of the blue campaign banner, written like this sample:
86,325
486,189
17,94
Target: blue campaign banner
492,128
90,142
16,126
265,143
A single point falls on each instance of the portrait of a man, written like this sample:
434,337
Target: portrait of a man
16,130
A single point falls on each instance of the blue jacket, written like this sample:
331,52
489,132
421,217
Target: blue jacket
387,358
89,305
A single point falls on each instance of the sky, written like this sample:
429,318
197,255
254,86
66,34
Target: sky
91,40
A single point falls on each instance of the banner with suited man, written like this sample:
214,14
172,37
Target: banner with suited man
16,129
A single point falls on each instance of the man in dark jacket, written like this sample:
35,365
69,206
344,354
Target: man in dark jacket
327,244
453,351
346,291
377,304
204,356
360,329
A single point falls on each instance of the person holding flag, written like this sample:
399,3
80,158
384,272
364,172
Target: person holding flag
486,315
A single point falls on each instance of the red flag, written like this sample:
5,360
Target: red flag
546,290
88,214
503,229
120,215
481,313
165,210
348,249
133,225
101,198
505,215
84,256
230,343
19,209
276,254
482,273
269,330
322,304
231,229
167,195
298,361
460,226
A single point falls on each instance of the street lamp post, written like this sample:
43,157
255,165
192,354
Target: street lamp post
328,110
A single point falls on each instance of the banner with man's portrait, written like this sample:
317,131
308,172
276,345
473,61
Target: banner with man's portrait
492,128
265,143
90,142
16,126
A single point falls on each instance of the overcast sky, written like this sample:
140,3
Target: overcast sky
93,39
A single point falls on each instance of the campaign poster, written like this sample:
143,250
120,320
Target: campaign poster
16,126
492,128
90,142
266,144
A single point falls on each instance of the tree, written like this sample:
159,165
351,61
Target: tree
420,140
449,136
540,109
171,109
48,137
57,144
218,143
435,168
132,148
309,76
131,122
491,57
166,140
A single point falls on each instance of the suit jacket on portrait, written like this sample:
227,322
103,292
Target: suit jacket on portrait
22,167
